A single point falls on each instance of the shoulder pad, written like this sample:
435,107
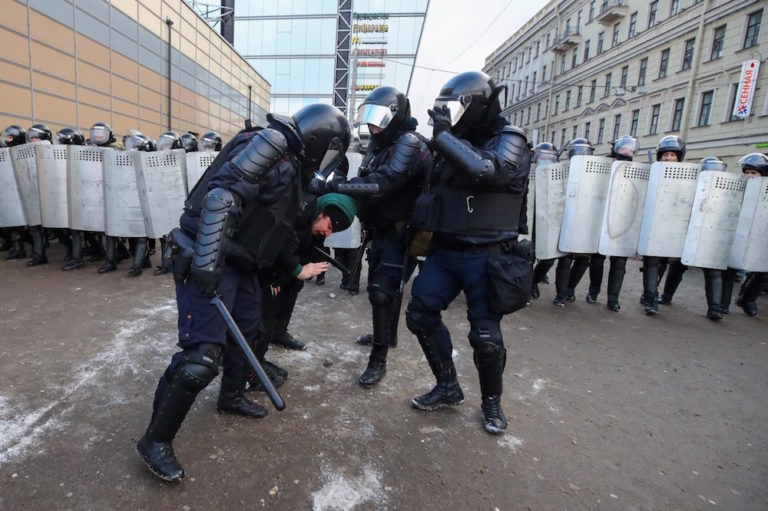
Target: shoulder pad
510,129
266,148
512,145
405,153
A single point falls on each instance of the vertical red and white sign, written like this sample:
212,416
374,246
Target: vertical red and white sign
746,91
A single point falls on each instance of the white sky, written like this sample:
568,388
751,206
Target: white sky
458,36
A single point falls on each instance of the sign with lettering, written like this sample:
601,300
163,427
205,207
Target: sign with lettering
745,93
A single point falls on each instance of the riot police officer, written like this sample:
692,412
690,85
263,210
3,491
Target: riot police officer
481,170
623,149
209,142
189,142
168,141
74,259
669,149
14,135
38,133
260,180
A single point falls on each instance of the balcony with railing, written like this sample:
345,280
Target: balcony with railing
611,11
567,39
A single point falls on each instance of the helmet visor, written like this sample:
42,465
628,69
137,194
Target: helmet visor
165,143
99,135
626,148
377,115
207,144
133,143
35,135
456,108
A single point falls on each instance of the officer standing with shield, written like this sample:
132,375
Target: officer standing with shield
474,208
223,214
14,135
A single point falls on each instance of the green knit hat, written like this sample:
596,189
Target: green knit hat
340,208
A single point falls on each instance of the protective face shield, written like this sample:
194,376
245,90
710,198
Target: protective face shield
14,135
70,136
713,163
39,132
472,98
135,141
625,147
757,162
168,140
580,147
101,134
544,153
211,141
671,143
189,142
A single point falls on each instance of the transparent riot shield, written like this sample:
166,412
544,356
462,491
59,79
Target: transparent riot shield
160,177
551,183
52,180
122,208
668,202
25,170
11,210
714,218
585,198
624,208
85,188
197,163
750,243
351,237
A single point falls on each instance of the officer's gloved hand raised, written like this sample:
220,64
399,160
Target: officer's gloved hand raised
205,281
441,120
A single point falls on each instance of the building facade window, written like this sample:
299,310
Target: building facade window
543,74
607,90
732,103
706,107
753,29
593,91
664,64
653,126
533,82
632,25
600,131
652,11
574,57
616,126
538,111
717,43
615,40
567,101
674,7
562,138
538,45
512,93
586,50
688,54
600,39
528,117
643,71
562,64
574,132
591,10
557,104
579,95
635,122
624,77
587,125
525,87
547,40
677,116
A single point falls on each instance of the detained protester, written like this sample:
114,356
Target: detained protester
472,204
225,215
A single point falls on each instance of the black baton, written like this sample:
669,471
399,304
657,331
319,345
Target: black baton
333,262
248,352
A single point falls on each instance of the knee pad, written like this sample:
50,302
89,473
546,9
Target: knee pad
421,321
199,367
485,335
382,290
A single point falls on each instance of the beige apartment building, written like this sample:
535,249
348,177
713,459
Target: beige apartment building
77,62
604,68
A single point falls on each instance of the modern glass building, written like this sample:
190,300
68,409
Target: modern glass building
329,51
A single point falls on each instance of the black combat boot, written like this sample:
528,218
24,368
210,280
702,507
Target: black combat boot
447,392
365,340
17,250
92,247
490,359
540,275
140,258
596,268
38,247
276,374
674,277
713,288
615,280
750,291
110,262
650,298
5,240
280,335
76,261
384,332
232,400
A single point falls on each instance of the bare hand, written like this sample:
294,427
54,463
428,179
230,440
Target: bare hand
312,270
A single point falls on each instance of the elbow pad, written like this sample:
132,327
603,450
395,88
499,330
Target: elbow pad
405,154
266,149
478,169
217,221
512,146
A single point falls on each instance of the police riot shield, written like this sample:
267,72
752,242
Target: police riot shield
714,218
668,202
122,208
197,163
52,180
750,244
25,170
551,182
530,204
11,210
85,188
624,208
351,237
161,183
585,198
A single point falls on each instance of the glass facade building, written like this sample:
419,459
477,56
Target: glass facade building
293,44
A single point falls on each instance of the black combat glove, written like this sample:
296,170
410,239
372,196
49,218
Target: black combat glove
319,186
441,120
206,282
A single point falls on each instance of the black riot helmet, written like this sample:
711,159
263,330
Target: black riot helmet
580,147
386,109
168,140
713,163
321,128
137,141
624,148
544,153
101,134
70,136
755,161
39,132
14,135
211,141
472,98
189,142
671,143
